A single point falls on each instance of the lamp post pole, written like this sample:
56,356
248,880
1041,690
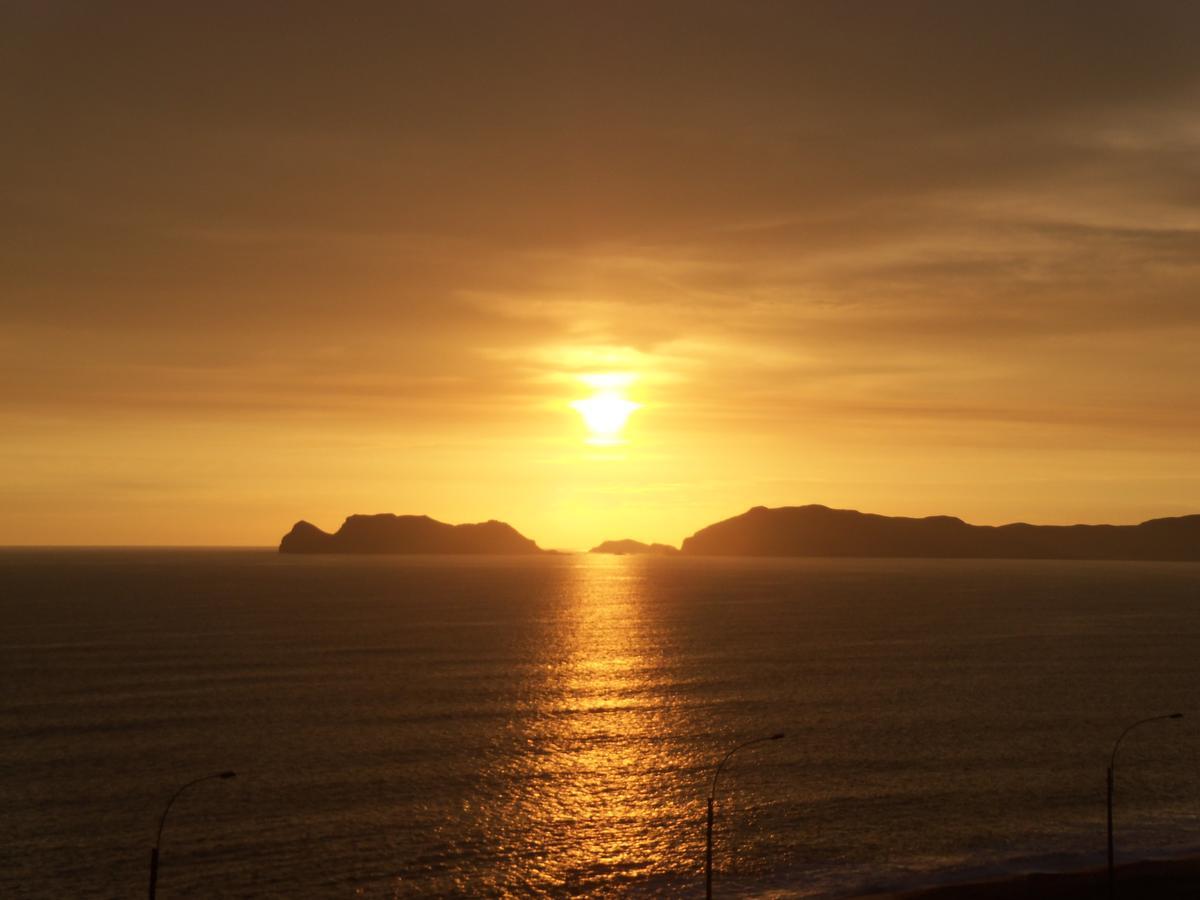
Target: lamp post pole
1112,762
163,821
708,847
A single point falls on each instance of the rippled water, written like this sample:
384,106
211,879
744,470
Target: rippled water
548,727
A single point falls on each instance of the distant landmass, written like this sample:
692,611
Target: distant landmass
821,531
784,531
388,533
628,547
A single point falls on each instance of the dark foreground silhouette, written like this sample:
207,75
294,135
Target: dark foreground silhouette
821,531
388,533
1149,880
626,547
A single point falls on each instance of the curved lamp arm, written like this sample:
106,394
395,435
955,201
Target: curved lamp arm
713,791
1112,760
163,819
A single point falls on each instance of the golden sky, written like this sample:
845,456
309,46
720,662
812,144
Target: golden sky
264,262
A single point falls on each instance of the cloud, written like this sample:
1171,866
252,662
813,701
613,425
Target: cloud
427,205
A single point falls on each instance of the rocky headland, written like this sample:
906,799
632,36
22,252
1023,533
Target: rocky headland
387,533
821,531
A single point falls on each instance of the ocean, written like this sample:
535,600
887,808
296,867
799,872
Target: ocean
548,727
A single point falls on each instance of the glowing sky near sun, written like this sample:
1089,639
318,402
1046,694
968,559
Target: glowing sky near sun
913,260
607,409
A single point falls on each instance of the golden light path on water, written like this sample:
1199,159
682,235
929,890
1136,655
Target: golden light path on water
604,801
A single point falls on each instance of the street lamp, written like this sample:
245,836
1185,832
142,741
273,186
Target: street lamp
711,794
1112,762
163,821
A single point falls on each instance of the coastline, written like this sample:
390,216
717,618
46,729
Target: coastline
1169,879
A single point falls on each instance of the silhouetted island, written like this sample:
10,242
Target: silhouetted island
821,531
627,547
387,533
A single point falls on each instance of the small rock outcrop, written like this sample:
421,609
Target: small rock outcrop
630,547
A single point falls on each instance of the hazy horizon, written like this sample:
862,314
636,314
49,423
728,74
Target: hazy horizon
329,528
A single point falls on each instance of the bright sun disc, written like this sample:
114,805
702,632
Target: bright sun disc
605,414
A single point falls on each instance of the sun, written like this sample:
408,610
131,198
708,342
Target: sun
605,414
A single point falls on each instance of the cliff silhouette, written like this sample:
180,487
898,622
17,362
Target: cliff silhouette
628,547
387,533
821,531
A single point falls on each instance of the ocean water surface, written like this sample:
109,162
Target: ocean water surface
473,727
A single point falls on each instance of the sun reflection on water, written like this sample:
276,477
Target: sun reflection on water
602,802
